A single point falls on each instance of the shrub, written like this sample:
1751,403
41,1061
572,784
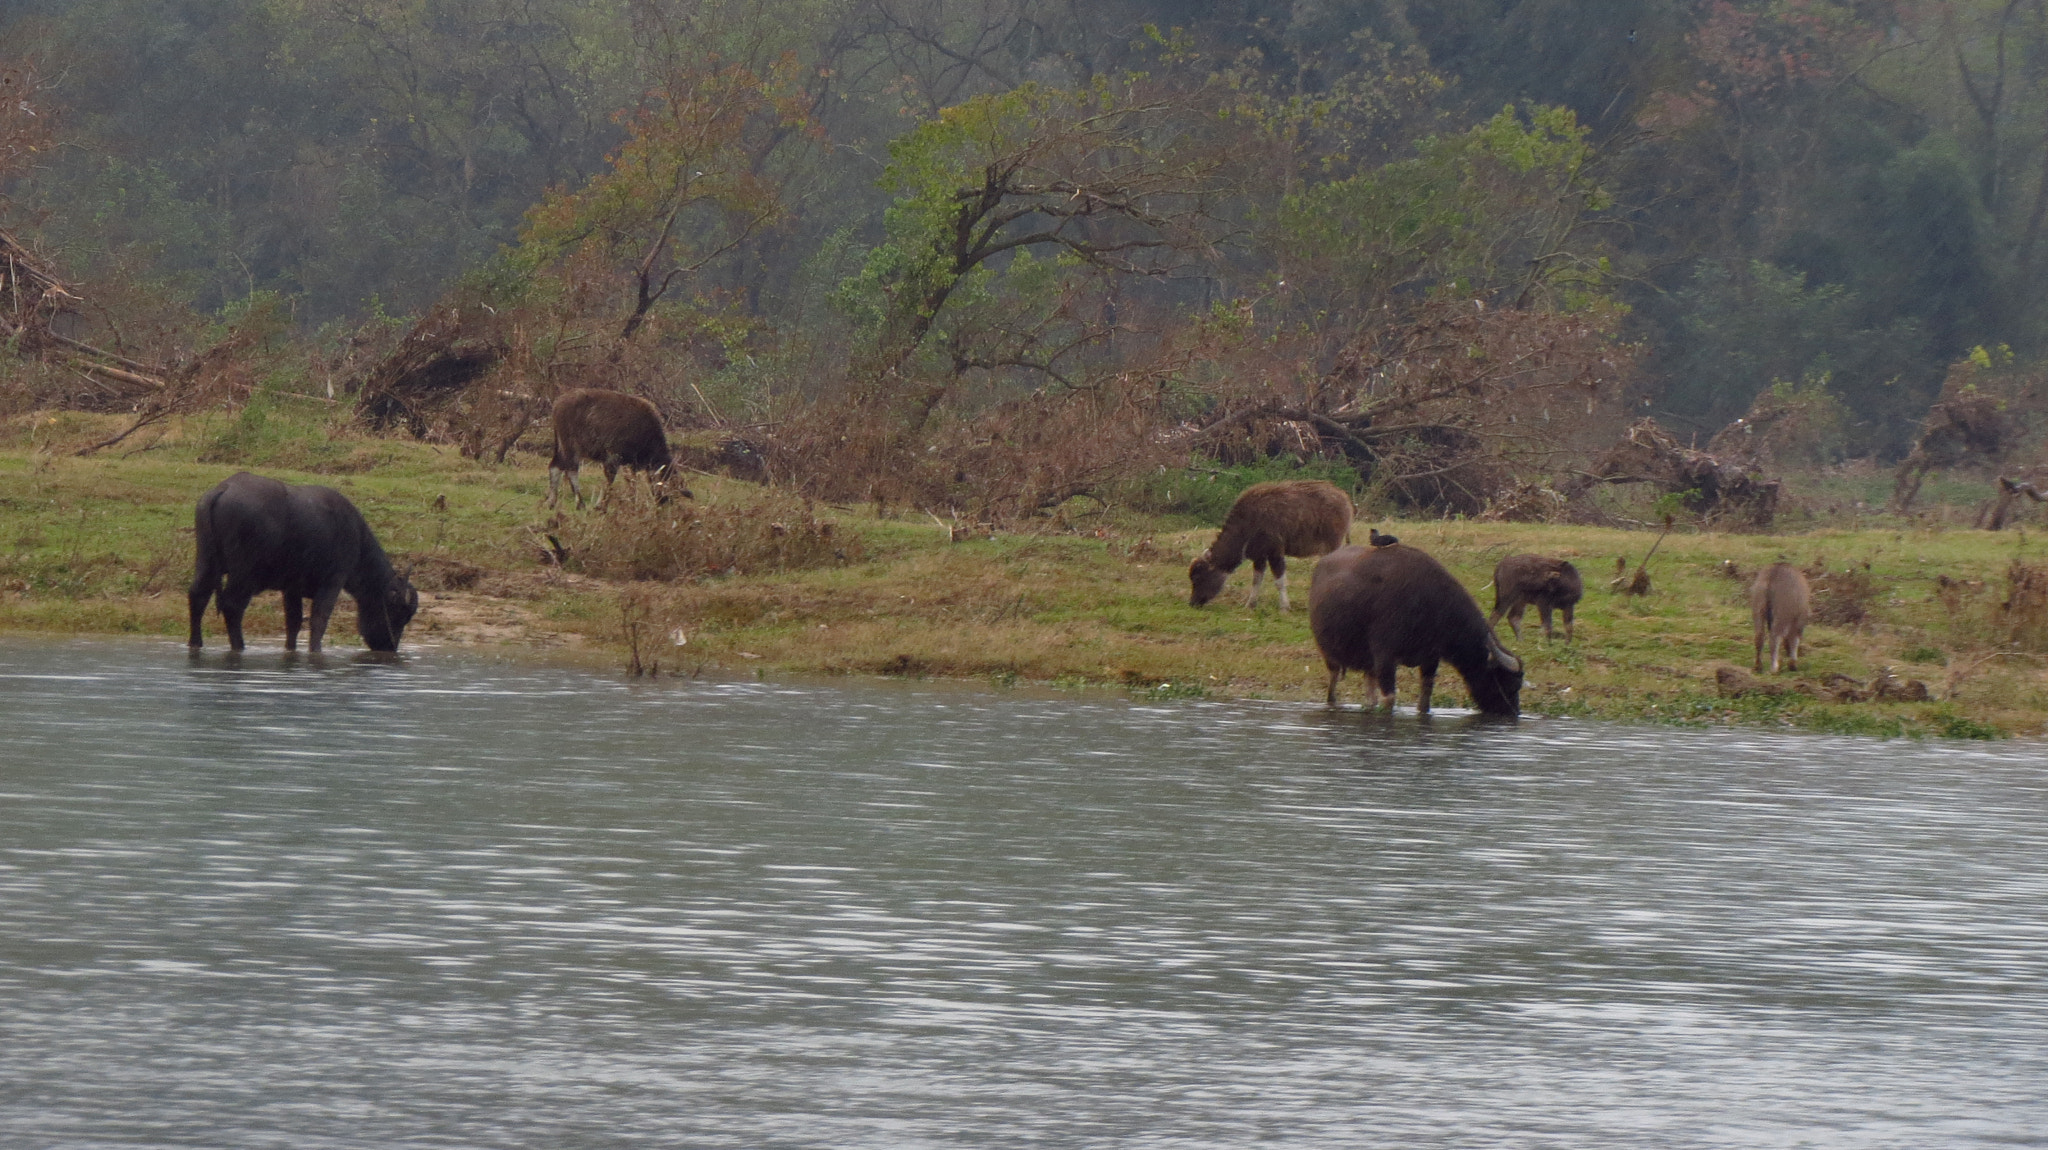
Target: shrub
1953,725
1207,489
634,538
1842,598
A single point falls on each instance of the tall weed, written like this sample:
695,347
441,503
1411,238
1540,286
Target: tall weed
2023,616
635,538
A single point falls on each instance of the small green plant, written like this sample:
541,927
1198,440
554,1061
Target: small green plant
1952,725
1673,504
270,431
1856,721
1923,654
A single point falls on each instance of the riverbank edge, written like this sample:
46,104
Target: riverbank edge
1088,601
634,630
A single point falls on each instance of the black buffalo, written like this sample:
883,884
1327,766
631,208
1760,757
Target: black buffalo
1373,609
309,542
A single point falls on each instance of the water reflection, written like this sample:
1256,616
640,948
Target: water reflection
337,902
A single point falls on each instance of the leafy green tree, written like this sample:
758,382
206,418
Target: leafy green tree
1498,212
1743,333
1094,174
692,183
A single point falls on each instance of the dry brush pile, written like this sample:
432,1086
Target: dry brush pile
636,539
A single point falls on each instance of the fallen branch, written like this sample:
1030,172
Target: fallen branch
1956,678
149,416
2009,492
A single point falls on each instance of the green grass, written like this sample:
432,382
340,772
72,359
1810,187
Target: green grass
103,544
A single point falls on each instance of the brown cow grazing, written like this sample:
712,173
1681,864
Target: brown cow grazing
1270,521
1524,581
613,429
1778,608
256,534
1373,609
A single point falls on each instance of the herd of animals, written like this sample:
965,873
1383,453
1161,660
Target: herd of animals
1386,605
1372,609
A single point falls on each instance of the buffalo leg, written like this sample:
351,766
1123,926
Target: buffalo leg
611,475
1566,611
1428,687
1792,651
323,609
555,476
1384,673
1515,620
1543,611
294,614
1280,580
234,599
202,590
1758,667
1336,675
1258,577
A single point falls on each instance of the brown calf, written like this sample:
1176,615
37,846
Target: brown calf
1524,581
1270,521
613,429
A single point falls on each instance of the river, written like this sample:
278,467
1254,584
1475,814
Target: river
443,900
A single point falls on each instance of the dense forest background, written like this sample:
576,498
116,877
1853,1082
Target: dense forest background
1447,242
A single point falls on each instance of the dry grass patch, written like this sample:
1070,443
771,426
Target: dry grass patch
639,540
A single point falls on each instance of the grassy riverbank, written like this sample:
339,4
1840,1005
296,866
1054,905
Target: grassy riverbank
1097,600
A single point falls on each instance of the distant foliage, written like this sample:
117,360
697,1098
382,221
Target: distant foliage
939,208
1801,424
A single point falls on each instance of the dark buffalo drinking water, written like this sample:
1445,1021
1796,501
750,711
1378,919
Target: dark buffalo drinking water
436,900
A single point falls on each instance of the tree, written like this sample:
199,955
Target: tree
1098,175
26,121
1499,212
1443,322
693,181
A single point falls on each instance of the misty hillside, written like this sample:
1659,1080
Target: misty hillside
1459,247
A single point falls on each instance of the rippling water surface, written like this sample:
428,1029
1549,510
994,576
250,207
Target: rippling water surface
453,902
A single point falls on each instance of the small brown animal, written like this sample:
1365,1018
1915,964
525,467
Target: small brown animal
1778,608
1373,609
1270,521
1524,581
613,429
1373,536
